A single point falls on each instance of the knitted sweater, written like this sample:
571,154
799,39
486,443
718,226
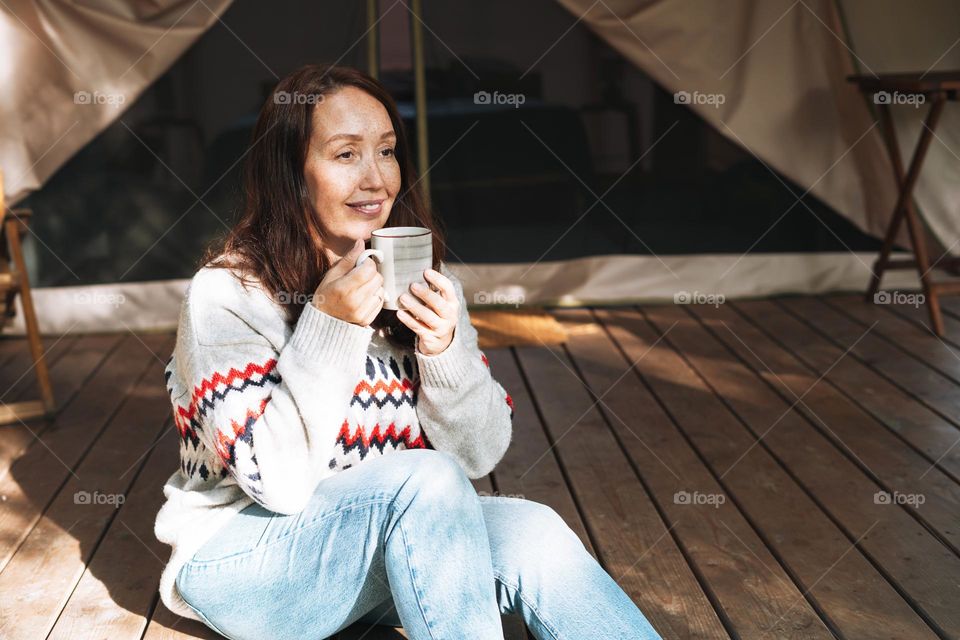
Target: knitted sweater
265,410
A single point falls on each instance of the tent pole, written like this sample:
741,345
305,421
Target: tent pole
373,40
420,94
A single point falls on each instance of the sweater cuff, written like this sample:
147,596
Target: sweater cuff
447,369
332,342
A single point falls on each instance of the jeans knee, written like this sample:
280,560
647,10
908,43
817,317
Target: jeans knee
550,527
535,543
436,477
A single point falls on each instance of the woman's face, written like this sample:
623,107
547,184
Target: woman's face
351,171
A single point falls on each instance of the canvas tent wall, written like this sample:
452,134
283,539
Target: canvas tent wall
779,66
70,68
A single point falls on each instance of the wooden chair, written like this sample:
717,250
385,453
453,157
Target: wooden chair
13,281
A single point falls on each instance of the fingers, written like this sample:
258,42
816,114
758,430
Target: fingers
366,285
362,274
442,283
367,300
408,319
371,309
426,315
433,300
347,262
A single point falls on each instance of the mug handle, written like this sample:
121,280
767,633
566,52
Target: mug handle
376,253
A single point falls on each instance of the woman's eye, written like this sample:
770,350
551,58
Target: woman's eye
345,155
388,152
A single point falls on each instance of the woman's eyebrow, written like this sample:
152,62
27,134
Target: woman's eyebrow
357,137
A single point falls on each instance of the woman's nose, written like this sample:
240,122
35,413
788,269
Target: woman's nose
372,179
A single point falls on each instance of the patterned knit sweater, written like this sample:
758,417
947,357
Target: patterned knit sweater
265,411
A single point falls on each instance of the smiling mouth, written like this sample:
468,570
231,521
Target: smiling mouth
367,206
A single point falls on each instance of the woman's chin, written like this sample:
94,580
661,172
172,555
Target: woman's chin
368,231
367,228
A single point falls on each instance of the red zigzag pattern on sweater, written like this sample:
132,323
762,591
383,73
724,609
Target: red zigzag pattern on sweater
187,416
226,438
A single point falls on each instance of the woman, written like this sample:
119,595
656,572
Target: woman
293,513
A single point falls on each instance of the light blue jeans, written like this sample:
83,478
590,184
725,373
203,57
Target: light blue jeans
404,540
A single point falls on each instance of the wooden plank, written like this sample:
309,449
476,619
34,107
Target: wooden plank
907,327
951,317
118,588
899,469
10,345
27,494
915,359
10,351
718,539
16,363
52,557
165,625
36,477
632,541
910,556
930,371
17,384
919,315
77,359
528,468
845,588
916,424
544,483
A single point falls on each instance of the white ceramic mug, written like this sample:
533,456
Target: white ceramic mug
402,255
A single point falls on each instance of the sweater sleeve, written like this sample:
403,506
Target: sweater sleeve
272,417
461,407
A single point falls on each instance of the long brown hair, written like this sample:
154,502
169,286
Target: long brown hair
273,240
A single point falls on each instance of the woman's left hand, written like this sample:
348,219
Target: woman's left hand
432,315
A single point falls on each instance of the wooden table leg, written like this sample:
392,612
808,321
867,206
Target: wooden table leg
904,208
893,150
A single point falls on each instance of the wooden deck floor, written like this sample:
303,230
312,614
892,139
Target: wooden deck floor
782,468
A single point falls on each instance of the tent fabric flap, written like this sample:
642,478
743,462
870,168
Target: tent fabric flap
770,76
70,69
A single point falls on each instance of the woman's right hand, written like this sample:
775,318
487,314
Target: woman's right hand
352,295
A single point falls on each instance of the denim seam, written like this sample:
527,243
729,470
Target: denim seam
313,523
413,579
499,576
264,532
